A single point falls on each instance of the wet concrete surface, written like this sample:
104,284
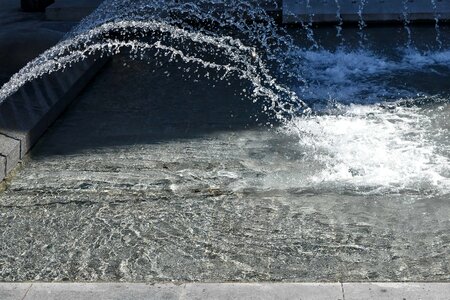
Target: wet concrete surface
146,178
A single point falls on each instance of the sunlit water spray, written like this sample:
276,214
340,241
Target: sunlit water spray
361,23
195,33
308,27
373,149
359,146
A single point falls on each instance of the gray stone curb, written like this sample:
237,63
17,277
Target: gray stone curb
26,114
389,291
224,291
10,152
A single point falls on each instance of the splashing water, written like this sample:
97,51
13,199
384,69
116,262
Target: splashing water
406,23
339,19
373,149
200,33
355,145
361,23
436,23
308,27
361,145
362,76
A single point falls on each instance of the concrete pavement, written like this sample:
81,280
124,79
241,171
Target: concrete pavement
224,291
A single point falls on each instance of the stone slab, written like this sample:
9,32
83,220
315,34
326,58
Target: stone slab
102,291
13,291
10,150
70,10
138,291
223,291
408,291
280,291
325,11
2,167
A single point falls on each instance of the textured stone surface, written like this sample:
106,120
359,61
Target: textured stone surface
10,149
381,291
14,291
224,291
137,291
2,167
103,291
304,291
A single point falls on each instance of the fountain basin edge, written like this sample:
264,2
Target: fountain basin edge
26,114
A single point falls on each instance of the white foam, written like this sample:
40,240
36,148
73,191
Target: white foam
372,149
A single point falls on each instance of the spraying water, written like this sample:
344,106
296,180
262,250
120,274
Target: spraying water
406,23
199,33
237,38
436,23
339,19
361,22
308,27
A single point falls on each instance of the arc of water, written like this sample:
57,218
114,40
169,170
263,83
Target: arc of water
249,65
235,14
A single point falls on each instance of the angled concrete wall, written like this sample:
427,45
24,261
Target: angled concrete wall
319,11
26,114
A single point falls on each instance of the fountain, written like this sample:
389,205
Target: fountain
232,149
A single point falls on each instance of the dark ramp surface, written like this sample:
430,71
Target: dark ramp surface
153,178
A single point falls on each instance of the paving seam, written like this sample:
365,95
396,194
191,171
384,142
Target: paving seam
26,293
343,291
11,137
